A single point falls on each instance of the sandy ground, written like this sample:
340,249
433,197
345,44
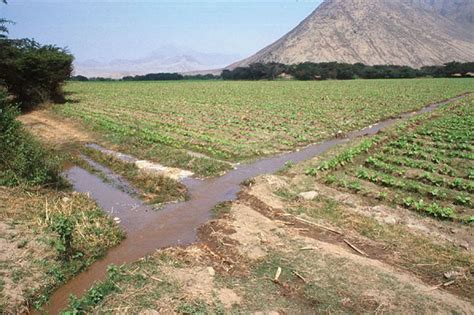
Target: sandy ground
53,130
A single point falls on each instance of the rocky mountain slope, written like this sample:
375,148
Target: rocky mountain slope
402,32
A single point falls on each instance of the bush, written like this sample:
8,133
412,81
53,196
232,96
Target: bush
22,159
33,73
64,226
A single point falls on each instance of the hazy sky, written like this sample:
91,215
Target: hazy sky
107,30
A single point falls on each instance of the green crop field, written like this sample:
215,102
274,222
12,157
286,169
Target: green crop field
236,121
426,165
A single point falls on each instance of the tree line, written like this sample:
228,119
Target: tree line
151,77
343,71
310,71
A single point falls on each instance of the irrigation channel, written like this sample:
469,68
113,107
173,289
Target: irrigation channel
177,224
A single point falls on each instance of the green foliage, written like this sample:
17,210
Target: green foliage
345,157
463,200
221,209
237,121
3,28
22,159
341,71
95,295
3,22
256,71
423,168
155,77
196,308
33,73
64,227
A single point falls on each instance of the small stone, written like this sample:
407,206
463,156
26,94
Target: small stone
211,271
452,275
465,245
309,195
390,220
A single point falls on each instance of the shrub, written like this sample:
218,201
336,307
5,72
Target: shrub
22,159
64,226
33,73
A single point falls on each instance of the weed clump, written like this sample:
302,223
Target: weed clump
23,162
64,227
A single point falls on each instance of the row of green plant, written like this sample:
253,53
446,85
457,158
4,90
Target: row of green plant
419,148
377,162
443,169
410,186
435,180
239,121
344,158
421,205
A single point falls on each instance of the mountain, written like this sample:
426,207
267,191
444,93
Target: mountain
165,59
401,32
461,11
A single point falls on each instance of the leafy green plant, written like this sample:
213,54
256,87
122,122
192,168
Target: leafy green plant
439,211
408,202
383,195
23,161
345,157
94,295
463,200
64,227
355,185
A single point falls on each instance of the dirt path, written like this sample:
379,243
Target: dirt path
54,130
177,224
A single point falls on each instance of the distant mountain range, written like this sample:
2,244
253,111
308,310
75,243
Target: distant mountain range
165,59
400,32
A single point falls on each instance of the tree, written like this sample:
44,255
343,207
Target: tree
33,73
3,27
79,78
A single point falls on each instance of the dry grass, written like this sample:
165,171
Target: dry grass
30,261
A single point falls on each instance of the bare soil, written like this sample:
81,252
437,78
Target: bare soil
55,130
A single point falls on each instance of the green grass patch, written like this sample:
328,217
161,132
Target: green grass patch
154,189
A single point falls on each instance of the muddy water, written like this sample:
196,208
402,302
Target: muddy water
177,224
